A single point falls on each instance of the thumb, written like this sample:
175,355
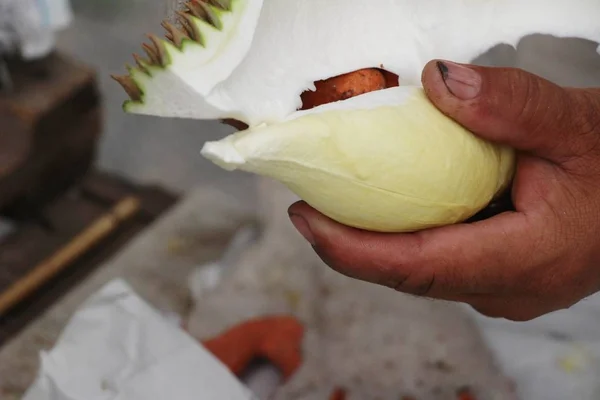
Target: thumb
515,108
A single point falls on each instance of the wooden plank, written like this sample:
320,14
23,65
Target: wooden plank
70,215
52,291
30,244
108,188
62,258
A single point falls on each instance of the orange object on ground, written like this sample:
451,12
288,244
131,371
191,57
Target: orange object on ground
338,394
465,394
277,339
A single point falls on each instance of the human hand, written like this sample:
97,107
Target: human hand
540,257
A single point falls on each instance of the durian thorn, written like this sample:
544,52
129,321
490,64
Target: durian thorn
129,85
152,53
186,21
167,25
161,51
197,9
190,26
141,63
202,10
175,35
224,5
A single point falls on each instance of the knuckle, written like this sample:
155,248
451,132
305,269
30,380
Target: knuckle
521,98
539,106
590,122
524,95
586,122
579,119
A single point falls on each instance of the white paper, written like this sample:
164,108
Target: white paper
59,13
554,357
28,26
116,347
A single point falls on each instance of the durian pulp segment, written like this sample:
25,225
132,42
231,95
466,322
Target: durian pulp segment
181,86
386,161
277,49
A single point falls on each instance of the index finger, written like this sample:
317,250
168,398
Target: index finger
478,258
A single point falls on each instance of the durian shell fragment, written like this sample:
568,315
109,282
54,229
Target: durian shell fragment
268,53
180,71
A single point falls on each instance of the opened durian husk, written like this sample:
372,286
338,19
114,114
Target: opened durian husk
383,160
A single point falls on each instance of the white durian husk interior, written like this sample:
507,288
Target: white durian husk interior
384,161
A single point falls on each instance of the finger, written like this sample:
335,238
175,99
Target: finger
513,107
515,308
482,257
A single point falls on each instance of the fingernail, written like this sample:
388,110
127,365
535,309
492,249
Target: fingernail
463,82
303,227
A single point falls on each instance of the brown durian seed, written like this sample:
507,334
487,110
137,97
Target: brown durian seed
391,79
174,34
129,85
239,125
190,27
201,10
343,87
338,88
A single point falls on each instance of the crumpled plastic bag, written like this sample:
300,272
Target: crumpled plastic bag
116,347
27,26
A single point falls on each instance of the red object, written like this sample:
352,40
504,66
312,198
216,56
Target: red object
338,394
277,339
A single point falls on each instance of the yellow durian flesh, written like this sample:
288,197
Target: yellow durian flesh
387,161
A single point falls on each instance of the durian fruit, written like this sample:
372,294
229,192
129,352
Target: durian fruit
382,158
